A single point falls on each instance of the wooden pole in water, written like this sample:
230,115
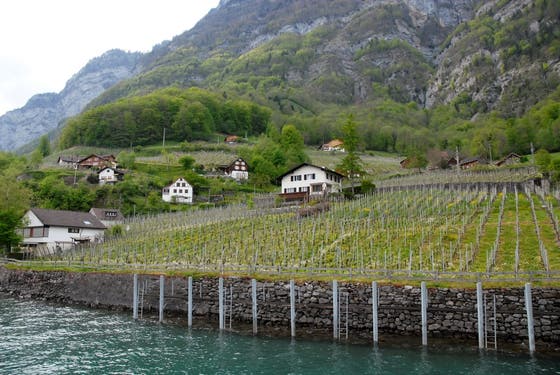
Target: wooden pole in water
480,314
335,308
375,303
161,298
530,321
221,303
254,297
292,308
135,297
424,296
189,302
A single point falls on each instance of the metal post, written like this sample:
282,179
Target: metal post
161,298
189,302
530,322
254,295
292,308
480,314
375,304
135,297
424,295
221,303
335,301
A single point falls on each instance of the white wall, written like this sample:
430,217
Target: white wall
301,183
182,194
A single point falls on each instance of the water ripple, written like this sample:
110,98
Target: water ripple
38,338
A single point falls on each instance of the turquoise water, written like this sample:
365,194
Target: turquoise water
38,338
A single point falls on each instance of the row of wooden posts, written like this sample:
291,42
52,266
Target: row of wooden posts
336,309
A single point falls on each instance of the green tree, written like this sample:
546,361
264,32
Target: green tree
44,146
187,162
292,145
126,159
542,161
351,164
14,201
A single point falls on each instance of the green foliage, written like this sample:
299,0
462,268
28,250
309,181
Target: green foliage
187,162
14,201
185,114
52,192
44,146
542,160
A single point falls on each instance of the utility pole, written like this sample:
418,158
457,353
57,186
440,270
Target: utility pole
457,158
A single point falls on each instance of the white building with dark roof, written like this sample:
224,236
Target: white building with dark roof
51,231
307,180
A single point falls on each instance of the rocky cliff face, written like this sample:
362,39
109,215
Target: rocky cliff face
44,112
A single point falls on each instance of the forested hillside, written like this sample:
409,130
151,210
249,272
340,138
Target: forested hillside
482,76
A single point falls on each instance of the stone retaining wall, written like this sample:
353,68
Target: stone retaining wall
452,313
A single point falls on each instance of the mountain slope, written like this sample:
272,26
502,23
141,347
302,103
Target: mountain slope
336,50
44,112
506,59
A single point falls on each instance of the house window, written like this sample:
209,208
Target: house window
290,190
184,184
309,176
316,188
303,189
186,191
110,214
175,191
73,230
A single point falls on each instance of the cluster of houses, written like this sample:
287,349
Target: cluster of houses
52,231
105,165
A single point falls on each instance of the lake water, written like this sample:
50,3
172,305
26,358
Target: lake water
39,338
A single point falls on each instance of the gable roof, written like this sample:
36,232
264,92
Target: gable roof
117,171
101,214
61,218
310,165
334,143
510,156
175,181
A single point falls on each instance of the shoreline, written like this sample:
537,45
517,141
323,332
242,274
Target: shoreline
451,313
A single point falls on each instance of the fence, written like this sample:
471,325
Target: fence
313,272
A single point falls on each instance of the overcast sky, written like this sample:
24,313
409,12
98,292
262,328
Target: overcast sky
43,43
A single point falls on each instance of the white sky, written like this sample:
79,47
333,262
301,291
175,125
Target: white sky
43,43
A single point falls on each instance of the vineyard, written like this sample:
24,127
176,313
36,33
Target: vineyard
430,230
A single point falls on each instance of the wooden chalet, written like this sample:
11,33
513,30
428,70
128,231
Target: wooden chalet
510,159
334,145
237,169
97,161
231,139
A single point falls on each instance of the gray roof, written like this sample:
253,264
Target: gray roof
108,214
60,218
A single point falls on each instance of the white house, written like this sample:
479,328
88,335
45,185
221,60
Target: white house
178,192
52,231
310,180
109,175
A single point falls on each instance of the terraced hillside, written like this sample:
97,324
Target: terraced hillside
429,230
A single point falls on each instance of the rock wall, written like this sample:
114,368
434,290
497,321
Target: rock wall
452,313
